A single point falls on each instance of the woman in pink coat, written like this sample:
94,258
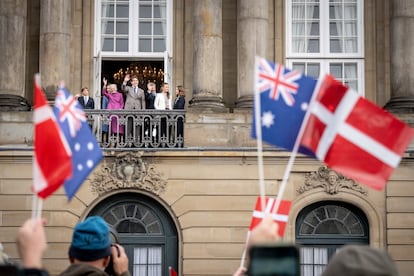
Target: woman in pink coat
115,101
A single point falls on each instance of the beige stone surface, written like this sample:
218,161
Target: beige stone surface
400,236
405,268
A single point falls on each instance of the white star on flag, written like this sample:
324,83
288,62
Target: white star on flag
268,119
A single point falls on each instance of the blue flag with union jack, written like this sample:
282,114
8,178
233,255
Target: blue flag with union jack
85,151
284,98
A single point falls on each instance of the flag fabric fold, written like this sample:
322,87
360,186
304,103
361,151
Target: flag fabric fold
280,216
52,163
86,153
172,271
284,98
354,136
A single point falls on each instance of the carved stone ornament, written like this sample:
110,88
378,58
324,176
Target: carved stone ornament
127,170
331,181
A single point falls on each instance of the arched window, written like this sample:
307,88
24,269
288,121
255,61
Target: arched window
146,231
323,227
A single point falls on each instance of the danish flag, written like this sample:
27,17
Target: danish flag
354,136
280,217
52,155
280,81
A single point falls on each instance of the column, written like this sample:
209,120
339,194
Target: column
252,27
207,55
13,55
54,52
402,57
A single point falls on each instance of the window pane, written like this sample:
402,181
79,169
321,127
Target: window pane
336,70
145,28
159,45
313,46
351,45
122,11
351,71
299,67
122,28
108,27
299,45
122,45
144,45
313,70
108,44
335,11
350,11
298,28
159,11
145,11
314,28
335,28
298,12
335,45
107,10
313,11
159,28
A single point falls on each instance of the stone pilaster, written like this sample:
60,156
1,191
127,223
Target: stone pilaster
207,56
252,21
402,57
13,55
54,52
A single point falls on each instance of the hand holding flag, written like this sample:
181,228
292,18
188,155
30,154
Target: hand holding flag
280,216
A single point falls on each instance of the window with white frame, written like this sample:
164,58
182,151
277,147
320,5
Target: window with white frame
133,28
326,36
322,228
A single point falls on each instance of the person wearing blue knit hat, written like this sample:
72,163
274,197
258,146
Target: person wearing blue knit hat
91,250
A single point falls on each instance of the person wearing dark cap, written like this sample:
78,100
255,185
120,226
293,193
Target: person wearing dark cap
360,260
91,250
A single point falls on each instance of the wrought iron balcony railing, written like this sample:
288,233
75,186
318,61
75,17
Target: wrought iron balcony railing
138,128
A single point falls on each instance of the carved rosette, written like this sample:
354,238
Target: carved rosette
128,170
331,181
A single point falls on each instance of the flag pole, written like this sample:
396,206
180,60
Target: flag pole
295,149
259,142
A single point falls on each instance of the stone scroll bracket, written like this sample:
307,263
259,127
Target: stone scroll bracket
330,181
127,170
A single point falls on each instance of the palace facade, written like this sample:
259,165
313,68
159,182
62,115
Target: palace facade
189,207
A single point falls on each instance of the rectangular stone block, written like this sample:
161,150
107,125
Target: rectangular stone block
401,252
215,235
400,220
212,251
400,204
400,236
211,267
213,219
405,268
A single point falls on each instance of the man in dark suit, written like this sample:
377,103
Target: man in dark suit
135,99
85,101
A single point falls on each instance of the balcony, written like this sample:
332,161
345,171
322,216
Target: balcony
138,128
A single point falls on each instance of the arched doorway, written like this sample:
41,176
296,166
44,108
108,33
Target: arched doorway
323,227
145,229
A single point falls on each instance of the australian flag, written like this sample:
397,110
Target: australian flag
85,151
284,97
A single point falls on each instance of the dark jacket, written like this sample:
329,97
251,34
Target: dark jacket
80,269
89,105
149,99
179,103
